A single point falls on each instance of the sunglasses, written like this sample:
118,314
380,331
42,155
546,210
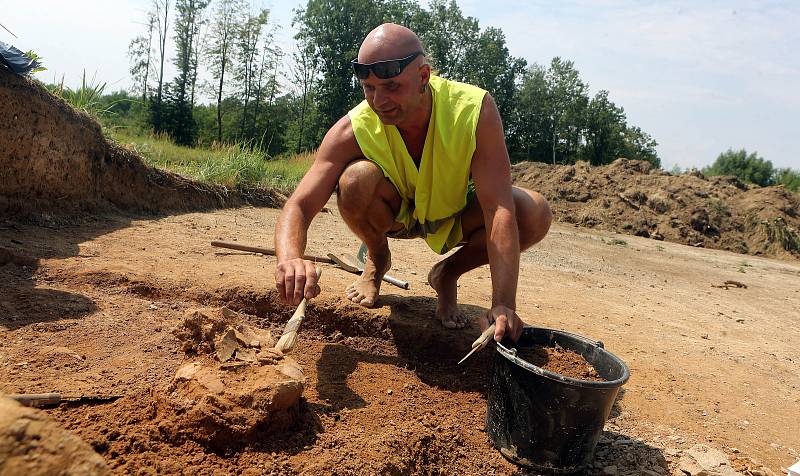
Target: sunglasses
383,69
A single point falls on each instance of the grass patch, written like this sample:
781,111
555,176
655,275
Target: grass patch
743,266
234,166
615,242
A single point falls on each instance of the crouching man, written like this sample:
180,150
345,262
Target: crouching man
420,157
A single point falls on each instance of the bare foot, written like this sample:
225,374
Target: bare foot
446,288
365,289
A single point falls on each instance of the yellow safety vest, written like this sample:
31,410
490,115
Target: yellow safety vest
434,195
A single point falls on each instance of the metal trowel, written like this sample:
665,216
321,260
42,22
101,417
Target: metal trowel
352,264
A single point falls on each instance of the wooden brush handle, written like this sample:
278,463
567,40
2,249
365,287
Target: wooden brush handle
289,337
485,337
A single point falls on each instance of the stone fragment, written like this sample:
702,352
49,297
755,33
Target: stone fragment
701,460
226,345
253,337
246,355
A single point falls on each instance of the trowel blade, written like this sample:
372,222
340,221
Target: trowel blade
345,262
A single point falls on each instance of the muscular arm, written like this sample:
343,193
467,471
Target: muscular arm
491,172
295,277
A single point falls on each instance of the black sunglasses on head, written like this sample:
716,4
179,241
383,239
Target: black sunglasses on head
383,69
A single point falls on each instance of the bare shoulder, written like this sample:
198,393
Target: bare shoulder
489,120
489,136
339,144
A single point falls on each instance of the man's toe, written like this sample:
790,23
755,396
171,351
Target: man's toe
449,324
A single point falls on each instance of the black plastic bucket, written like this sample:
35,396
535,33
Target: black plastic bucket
546,421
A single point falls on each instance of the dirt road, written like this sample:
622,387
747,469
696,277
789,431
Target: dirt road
94,314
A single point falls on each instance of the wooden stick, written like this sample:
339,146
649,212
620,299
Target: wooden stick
266,251
289,337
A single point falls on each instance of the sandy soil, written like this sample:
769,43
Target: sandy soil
93,313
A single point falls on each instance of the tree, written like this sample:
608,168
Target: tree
788,178
532,117
180,124
748,167
639,145
221,42
333,31
605,130
140,52
161,14
248,36
567,104
492,68
303,73
451,39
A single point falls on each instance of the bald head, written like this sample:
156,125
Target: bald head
388,41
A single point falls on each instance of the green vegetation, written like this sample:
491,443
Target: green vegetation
280,102
753,169
743,266
781,233
235,166
615,242
89,97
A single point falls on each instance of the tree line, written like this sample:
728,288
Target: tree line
283,102
752,168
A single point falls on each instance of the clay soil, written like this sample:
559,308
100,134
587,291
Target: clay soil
561,361
631,197
90,308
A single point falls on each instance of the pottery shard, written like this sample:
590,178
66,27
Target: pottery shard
215,406
31,445
254,337
701,460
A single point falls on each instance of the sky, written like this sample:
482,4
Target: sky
699,76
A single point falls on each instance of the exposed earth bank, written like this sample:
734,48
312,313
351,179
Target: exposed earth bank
633,198
55,159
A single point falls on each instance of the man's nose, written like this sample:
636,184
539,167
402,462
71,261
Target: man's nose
378,98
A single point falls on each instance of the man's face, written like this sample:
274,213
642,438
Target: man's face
395,98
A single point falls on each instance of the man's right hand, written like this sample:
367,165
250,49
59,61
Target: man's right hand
295,279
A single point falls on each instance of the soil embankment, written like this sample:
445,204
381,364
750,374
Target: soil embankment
55,158
632,197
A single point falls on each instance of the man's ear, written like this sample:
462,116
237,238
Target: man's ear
424,77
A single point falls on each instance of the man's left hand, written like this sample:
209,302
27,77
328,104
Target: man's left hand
507,323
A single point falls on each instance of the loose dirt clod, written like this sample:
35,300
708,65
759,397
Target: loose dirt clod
561,361
31,444
235,385
219,407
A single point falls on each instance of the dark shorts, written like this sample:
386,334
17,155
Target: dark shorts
417,232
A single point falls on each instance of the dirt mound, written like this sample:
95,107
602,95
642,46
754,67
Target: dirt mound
234,386
561,361
31,444
632,197
55,158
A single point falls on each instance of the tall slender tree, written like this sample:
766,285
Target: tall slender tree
249,35
140,52
221,43
303,74
161,13
181,125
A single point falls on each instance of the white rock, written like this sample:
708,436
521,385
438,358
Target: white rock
701,460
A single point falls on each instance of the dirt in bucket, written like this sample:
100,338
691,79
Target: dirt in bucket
561,361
